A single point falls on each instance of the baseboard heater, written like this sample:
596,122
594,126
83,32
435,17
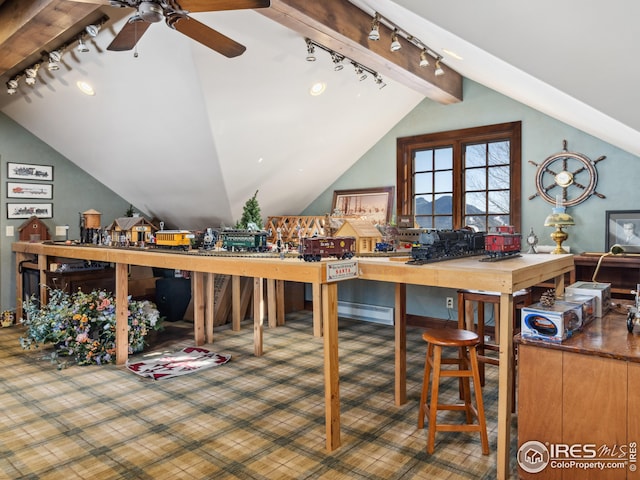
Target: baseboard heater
366,313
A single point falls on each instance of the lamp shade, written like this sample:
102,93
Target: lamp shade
559,218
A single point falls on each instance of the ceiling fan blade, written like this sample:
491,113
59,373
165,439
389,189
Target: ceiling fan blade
127,38
218,5
209,37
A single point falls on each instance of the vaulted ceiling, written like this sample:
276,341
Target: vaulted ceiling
205,131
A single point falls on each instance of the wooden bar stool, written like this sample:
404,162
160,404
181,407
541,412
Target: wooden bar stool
466,343
466,320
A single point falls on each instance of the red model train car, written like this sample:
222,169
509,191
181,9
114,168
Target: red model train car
314,249
503,241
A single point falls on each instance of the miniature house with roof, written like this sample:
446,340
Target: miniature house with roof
365,232
131,230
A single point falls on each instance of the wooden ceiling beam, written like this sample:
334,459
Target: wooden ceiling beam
344,28
28,26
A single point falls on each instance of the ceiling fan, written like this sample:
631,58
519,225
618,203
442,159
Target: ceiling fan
176,15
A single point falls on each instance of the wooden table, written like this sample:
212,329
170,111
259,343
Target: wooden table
505,277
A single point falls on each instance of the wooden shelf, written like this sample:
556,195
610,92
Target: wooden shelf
621,271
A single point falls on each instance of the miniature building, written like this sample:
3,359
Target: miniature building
91,218
34,230
132,229
365,232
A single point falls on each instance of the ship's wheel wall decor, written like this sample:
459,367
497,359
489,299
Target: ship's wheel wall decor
566,178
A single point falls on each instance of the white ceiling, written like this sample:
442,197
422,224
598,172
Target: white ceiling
188,135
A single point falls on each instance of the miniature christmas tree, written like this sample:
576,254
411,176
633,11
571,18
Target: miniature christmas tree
251,214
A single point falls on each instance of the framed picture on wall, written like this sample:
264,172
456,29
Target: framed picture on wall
28,210
373,203
27,171
30,190
623,228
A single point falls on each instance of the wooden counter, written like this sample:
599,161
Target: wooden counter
584,391
505,277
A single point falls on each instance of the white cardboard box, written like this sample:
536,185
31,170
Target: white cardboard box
602,292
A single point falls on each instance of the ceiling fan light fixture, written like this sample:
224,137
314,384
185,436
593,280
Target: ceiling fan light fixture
150,12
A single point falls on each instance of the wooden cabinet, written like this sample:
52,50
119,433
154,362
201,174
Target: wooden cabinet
583,392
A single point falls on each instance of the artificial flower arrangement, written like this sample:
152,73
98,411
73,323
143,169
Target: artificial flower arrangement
82,326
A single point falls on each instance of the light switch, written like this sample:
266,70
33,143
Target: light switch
9,232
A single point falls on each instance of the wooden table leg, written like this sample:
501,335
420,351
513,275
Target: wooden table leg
400,323
331,377
122,317
504,385
19,287
271,303
280,310
210,306
258,315
317,309
235,303
197,287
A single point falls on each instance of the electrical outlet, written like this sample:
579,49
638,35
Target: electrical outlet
449,302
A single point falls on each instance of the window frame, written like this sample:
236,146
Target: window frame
457,139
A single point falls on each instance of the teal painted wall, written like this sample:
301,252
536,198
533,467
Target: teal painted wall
74,191
542,136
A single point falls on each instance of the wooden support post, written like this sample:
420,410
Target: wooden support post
42,269
19,286
504,384
197,288
236,315
271,302
331,372
122,313
280,310
400,322
258,315
210,306
317,309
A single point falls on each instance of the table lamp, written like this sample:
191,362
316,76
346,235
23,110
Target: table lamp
559,219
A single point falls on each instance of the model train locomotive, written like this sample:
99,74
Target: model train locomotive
438,245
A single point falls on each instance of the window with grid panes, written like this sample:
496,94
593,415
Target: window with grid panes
458,178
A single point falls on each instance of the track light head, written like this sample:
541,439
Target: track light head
439,71
82,47
395,44
337,61
54,58
310,51
379,81
424,62
31,73
92,30
374,34
12,86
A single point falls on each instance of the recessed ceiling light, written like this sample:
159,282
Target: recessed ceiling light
85,87
452,54
317,88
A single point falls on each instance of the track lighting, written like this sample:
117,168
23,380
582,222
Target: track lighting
439,71
423,58
310,52
32,73
54,58
338,59
395,44
374,34
12,86
92,30
82,47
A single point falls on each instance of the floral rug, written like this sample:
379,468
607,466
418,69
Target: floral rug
187,360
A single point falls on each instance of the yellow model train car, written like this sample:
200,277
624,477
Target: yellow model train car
174,239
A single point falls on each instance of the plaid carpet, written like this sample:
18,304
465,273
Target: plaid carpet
256,418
